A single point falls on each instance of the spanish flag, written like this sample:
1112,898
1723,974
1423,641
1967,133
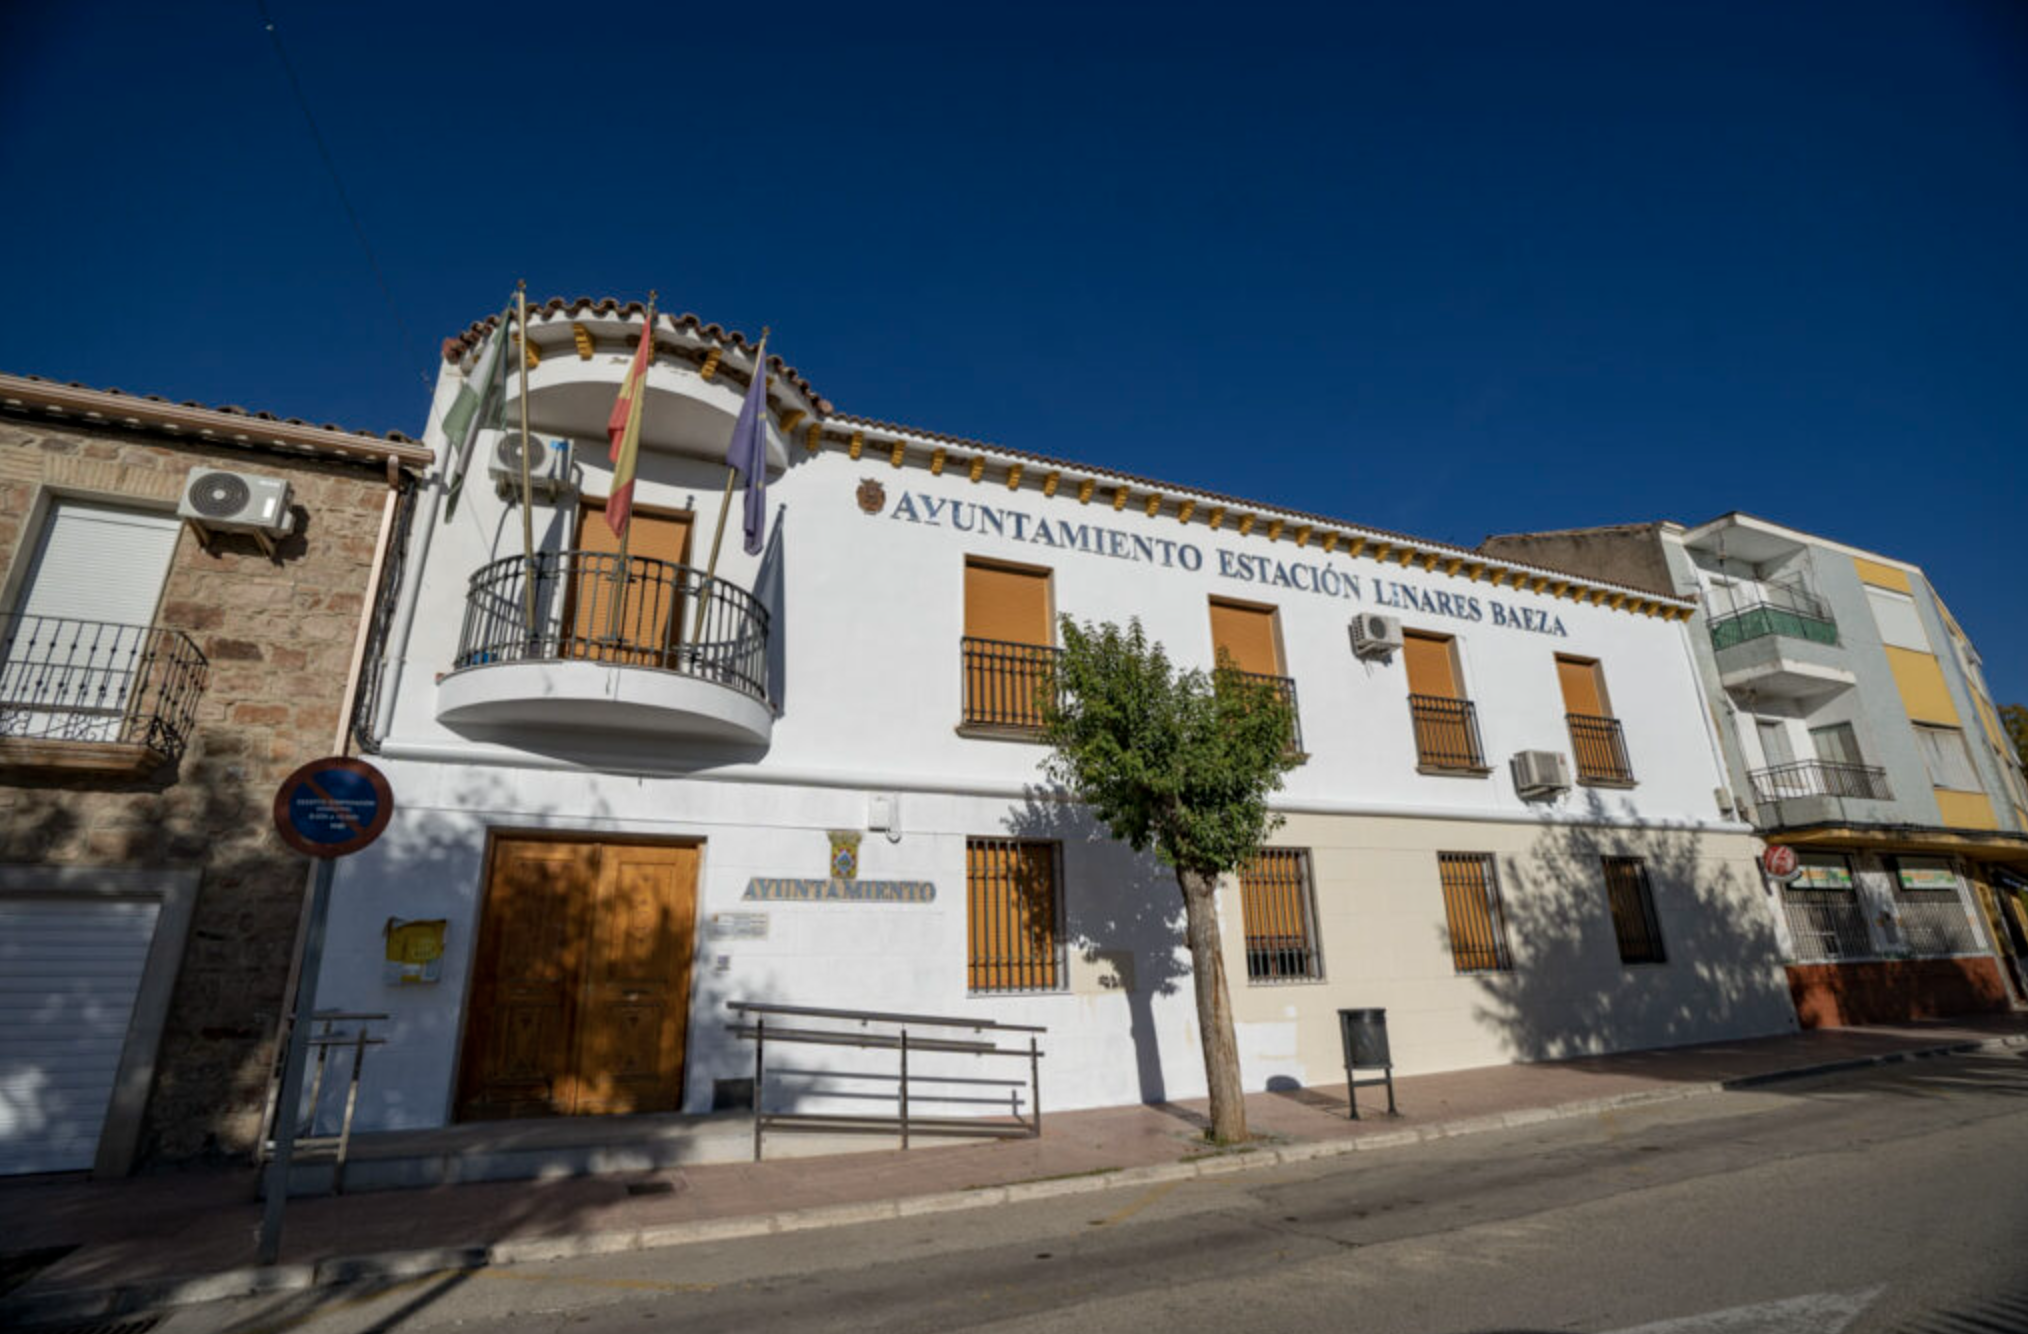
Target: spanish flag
623,428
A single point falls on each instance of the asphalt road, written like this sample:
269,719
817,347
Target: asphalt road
1891,1200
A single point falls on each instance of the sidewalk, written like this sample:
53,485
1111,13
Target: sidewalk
186,1237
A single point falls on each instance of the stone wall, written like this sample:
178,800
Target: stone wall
1629,554
278,633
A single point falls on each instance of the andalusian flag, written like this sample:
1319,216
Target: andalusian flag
623,428
476,404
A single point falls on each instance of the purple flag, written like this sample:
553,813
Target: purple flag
747,455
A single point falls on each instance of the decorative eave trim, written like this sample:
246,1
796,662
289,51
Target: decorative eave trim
216,426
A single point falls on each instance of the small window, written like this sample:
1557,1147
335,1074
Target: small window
1596,738
1280,916
1633,907
1478,929
1950,764
1013,915
1446,724
1836,743
1008,657
1896,616
1248,635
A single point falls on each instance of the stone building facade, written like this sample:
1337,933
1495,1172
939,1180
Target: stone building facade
265,644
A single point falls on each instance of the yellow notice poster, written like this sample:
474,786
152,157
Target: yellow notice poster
415,951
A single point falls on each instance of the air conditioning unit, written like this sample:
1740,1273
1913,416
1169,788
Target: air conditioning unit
217,501
1375,636
1539,773
548,467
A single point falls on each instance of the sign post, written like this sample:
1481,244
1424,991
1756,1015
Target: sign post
326,809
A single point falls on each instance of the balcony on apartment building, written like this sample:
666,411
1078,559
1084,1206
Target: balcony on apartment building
95,697
1809,791
589,639
1600,748
1778,641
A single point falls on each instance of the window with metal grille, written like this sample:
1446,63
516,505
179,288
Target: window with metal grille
1633,905
1826,921
1928,909
1478,929
1014,916
1281,917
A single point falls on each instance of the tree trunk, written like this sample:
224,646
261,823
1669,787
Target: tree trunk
1214,1007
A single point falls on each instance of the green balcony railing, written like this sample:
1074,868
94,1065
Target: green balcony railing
1814,624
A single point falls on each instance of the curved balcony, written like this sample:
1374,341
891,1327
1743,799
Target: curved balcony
571,395
571,640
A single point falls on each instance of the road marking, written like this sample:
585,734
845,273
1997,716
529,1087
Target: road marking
1122,1215
576,1281
1812,1313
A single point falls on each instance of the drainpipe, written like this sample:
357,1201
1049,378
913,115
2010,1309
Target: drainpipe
340,742
410,593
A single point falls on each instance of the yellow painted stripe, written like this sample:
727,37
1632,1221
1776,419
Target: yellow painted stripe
1883,576
1122,1215
1924,697
1965,810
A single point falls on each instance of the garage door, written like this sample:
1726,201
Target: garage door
69,971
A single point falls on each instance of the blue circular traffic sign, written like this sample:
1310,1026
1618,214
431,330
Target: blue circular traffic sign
332,807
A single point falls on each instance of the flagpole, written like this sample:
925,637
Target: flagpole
527,487
760,368
640,420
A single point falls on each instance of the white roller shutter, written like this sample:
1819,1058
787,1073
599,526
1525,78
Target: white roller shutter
69,972
100,563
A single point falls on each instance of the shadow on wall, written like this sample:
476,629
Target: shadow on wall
1124,923
1568,992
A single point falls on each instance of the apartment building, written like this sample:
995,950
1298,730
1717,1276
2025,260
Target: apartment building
633,786
1858,729
182,601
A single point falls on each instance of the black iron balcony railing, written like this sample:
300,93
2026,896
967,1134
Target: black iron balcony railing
1007,686
1284,686
1446,733
1820,778
660,615
94,681
1600,747
1790,612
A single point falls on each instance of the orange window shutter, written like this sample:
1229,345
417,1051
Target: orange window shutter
1248,634
1581,688
1431,670
1007,605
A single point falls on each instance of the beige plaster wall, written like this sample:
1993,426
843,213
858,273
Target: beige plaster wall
1381,924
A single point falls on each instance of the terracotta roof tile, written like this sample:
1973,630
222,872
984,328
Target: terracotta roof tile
229,409
458,346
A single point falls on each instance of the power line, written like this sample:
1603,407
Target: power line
331,167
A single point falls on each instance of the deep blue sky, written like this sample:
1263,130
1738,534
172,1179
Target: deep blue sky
1454,269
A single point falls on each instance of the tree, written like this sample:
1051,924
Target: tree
1181,762
2015,718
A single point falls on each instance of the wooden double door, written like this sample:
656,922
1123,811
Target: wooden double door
581,983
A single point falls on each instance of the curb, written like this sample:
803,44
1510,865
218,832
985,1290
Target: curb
128,1299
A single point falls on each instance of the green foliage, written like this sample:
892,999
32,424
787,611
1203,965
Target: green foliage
2014,717
1179,761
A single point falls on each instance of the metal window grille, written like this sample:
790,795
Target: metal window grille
1008,685
1933,921
1280,913
1478,929
1826,924
1633,906
1446,732
1601,749
1014,916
